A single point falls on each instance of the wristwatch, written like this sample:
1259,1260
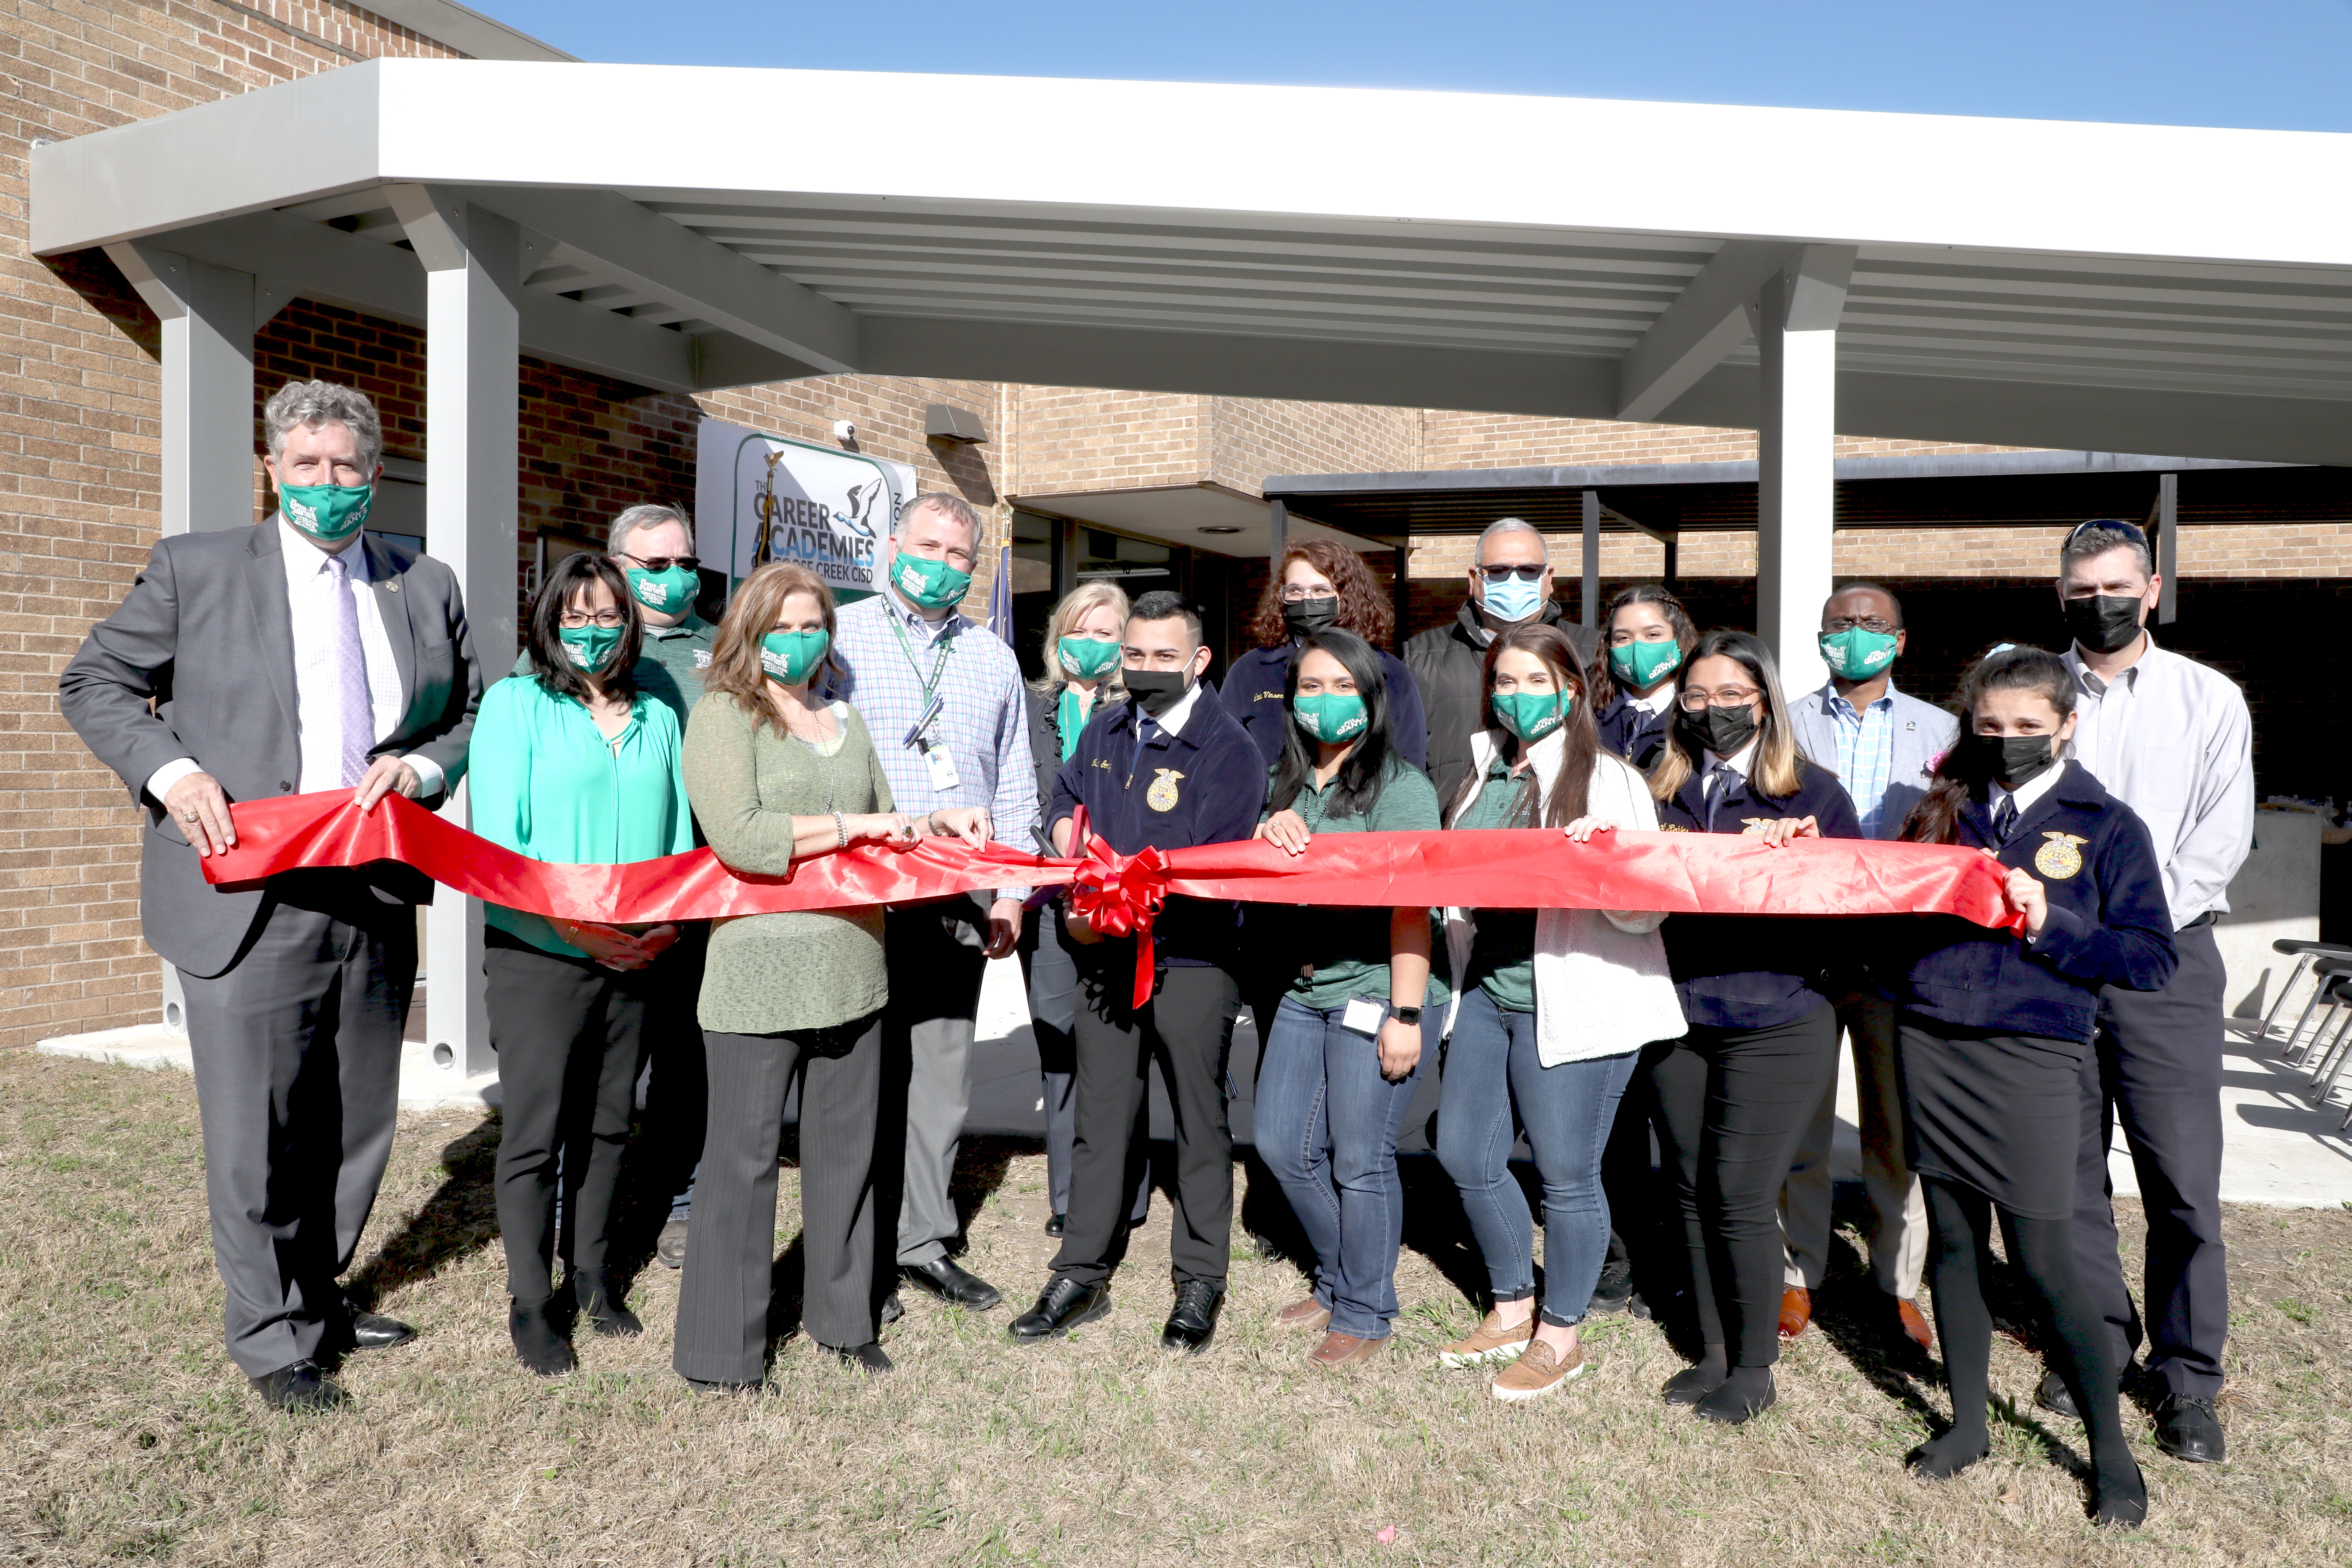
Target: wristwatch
1407,1015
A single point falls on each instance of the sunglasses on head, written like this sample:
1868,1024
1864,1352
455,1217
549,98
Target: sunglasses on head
2131,531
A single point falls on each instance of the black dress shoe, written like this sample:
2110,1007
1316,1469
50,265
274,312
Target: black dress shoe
2054,1396
2187,1428
299,1386
600,1303
1057,1223
538,1343
866,1358
1614,1293
944,1277
892,1311
1062,1306
1193,1321
374,1331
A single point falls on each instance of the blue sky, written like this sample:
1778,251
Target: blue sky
2273,64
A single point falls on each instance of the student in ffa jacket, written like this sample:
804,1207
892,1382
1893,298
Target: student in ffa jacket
1738,1089
1167,769
1994,1028
1646,635
1320,585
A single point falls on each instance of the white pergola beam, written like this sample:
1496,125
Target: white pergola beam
1706,321
1796,453
208,314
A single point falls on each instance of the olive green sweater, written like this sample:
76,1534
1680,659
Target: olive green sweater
776,974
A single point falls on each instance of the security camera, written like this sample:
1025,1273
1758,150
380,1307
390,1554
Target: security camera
844,430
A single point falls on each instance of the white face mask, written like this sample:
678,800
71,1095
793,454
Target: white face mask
1512,599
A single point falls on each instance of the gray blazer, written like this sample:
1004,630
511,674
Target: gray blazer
1923,733
205,634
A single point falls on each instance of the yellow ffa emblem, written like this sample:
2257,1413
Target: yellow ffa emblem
1161,795
2058,859
1754,824
1671,827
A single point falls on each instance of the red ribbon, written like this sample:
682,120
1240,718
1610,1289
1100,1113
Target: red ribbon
1680,873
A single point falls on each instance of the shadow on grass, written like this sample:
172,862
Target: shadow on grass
460,1218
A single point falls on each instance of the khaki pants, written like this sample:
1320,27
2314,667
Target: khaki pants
1898,1217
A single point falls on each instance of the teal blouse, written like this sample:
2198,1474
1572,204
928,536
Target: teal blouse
1344,952
1502,960
546,784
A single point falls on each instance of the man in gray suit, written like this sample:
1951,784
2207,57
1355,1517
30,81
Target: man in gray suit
295,656
1883,745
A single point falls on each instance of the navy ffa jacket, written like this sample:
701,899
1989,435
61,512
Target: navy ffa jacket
1202,785
1632,733
1252,693
1752,971
2108,925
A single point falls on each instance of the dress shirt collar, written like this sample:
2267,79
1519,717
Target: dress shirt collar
1172,722
1835,704
1739,762
2093,685
1657,701
954,621
684,629
305,559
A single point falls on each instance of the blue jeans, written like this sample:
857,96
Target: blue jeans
1327,1128
1491,1065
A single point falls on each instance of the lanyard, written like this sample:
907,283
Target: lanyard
931,684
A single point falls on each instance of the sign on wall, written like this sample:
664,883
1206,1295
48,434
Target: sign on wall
761,498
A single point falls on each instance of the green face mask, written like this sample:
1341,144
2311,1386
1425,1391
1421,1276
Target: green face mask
928,584
591,648
1333,716
328,513
788,657
1532,715
1642,664
668,592
1088,658
1855,654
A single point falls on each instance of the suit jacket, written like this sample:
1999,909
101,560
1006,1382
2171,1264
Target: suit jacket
1923,733
206,637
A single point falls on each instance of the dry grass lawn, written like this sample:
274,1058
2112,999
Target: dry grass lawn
127,1435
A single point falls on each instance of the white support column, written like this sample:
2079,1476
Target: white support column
473,262
208,314
1588,602
1796,448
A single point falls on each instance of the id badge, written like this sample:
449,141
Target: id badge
943,765
1364,1014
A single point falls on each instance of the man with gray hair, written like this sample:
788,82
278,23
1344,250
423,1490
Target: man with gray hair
943,699
1510,582
297,655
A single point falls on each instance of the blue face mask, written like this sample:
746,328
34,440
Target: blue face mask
1512,599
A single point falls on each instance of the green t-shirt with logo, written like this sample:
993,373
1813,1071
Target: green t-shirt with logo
1348,949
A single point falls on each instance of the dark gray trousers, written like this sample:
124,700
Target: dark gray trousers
935,962
2158,1070
722,1307
297,1058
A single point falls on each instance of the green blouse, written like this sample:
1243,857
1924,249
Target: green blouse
1342,952
545,782
1502,960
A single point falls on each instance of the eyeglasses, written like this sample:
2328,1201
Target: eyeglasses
664,562
573,620
2132,532
1878,624
1697,699
1299,592
1498,575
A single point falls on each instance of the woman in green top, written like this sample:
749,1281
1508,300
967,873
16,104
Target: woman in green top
777,774
571,764
1345,1050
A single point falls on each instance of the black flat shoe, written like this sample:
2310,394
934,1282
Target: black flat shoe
944,1277
2187,1428
1062,1306
600,1305
1057,1223
300,1388
373,1331
538,1344
1692,1384
1193,1321
1936,1461
2053,1396
2120,1500
866,1358
1739,1398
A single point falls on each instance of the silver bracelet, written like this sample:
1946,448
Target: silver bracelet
842,828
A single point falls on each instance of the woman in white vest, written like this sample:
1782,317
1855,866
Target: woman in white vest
1553,1009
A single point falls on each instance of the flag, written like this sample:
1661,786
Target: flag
1000,593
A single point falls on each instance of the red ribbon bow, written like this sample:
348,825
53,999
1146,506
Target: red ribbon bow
1122,894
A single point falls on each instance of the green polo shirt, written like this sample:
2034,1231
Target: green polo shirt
671,666
1502,960
1348,948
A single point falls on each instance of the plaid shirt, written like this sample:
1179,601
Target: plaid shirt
984,722
1865,754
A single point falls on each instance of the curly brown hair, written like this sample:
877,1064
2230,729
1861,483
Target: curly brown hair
1363,608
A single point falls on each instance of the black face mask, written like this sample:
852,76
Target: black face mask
1722,731
2013,761
2103,623
1305,618
1155,690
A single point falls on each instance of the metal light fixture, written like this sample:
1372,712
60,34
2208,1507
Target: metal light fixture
1219,528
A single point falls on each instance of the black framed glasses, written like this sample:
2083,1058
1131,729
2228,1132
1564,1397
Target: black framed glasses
1501,575
664,562
1878,624
573,620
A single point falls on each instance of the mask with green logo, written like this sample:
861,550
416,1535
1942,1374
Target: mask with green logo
1087,657
1855,654
1642,664
666,593
1333,716
928,584
788,657
590,647
328,513
1532,715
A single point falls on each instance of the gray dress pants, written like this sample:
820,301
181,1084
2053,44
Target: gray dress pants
935,963
297,1058
723,1306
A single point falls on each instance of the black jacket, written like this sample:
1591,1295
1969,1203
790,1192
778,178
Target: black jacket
1044,716
1447,662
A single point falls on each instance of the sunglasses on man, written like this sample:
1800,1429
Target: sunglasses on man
664,562
1501,575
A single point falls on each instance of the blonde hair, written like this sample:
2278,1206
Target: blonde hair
1775,772
735,666
1075,606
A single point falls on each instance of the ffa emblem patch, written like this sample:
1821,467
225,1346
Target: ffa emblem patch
1671,827
1161,795
1754,824
2058,859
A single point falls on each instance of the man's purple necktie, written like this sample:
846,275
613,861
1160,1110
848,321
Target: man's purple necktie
354,711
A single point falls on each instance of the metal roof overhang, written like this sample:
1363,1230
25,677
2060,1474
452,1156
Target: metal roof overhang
2015,282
